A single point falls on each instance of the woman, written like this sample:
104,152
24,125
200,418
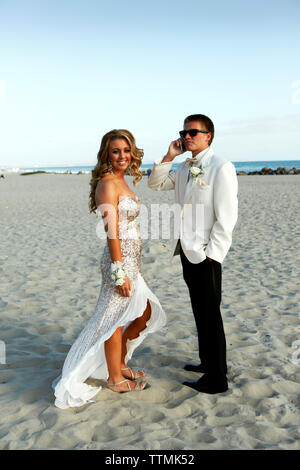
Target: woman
126,310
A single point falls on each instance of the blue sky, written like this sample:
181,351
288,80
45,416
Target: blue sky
72,70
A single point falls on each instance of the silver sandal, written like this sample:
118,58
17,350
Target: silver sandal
138,387
135,375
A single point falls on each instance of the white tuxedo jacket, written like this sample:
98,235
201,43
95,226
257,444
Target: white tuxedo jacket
208,212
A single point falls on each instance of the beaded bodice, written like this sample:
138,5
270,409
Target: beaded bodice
130,239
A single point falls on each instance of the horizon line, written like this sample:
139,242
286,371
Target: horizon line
145,163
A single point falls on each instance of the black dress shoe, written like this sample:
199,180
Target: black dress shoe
195,368
208,385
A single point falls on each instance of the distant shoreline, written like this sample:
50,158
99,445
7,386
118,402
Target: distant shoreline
259,167
264,171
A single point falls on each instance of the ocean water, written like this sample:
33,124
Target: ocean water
240,166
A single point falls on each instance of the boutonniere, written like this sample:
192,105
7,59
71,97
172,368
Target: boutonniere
196,173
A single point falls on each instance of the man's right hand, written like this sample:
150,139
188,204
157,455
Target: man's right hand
173,151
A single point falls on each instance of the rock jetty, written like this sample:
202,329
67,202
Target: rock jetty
269,171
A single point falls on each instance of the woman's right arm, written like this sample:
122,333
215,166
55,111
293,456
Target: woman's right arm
106,198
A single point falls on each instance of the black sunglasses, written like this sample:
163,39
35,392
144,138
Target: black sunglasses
191,132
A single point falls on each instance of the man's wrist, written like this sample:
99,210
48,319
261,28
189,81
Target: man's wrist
167,158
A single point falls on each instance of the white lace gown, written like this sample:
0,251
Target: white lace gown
86,357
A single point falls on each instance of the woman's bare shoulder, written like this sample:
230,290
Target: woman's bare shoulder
106,190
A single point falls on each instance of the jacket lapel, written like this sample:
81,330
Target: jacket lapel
191,186
183,182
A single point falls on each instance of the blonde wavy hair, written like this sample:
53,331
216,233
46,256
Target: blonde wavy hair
102,166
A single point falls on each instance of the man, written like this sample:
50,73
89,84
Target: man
202,242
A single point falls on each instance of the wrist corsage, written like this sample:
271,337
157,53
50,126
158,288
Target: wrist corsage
118,273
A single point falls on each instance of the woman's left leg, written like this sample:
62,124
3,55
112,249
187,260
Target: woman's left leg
132,332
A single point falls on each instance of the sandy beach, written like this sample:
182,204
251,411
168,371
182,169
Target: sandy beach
50,282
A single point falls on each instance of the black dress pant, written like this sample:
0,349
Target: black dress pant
204,281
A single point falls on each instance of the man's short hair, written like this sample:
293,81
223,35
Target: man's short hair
206,121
